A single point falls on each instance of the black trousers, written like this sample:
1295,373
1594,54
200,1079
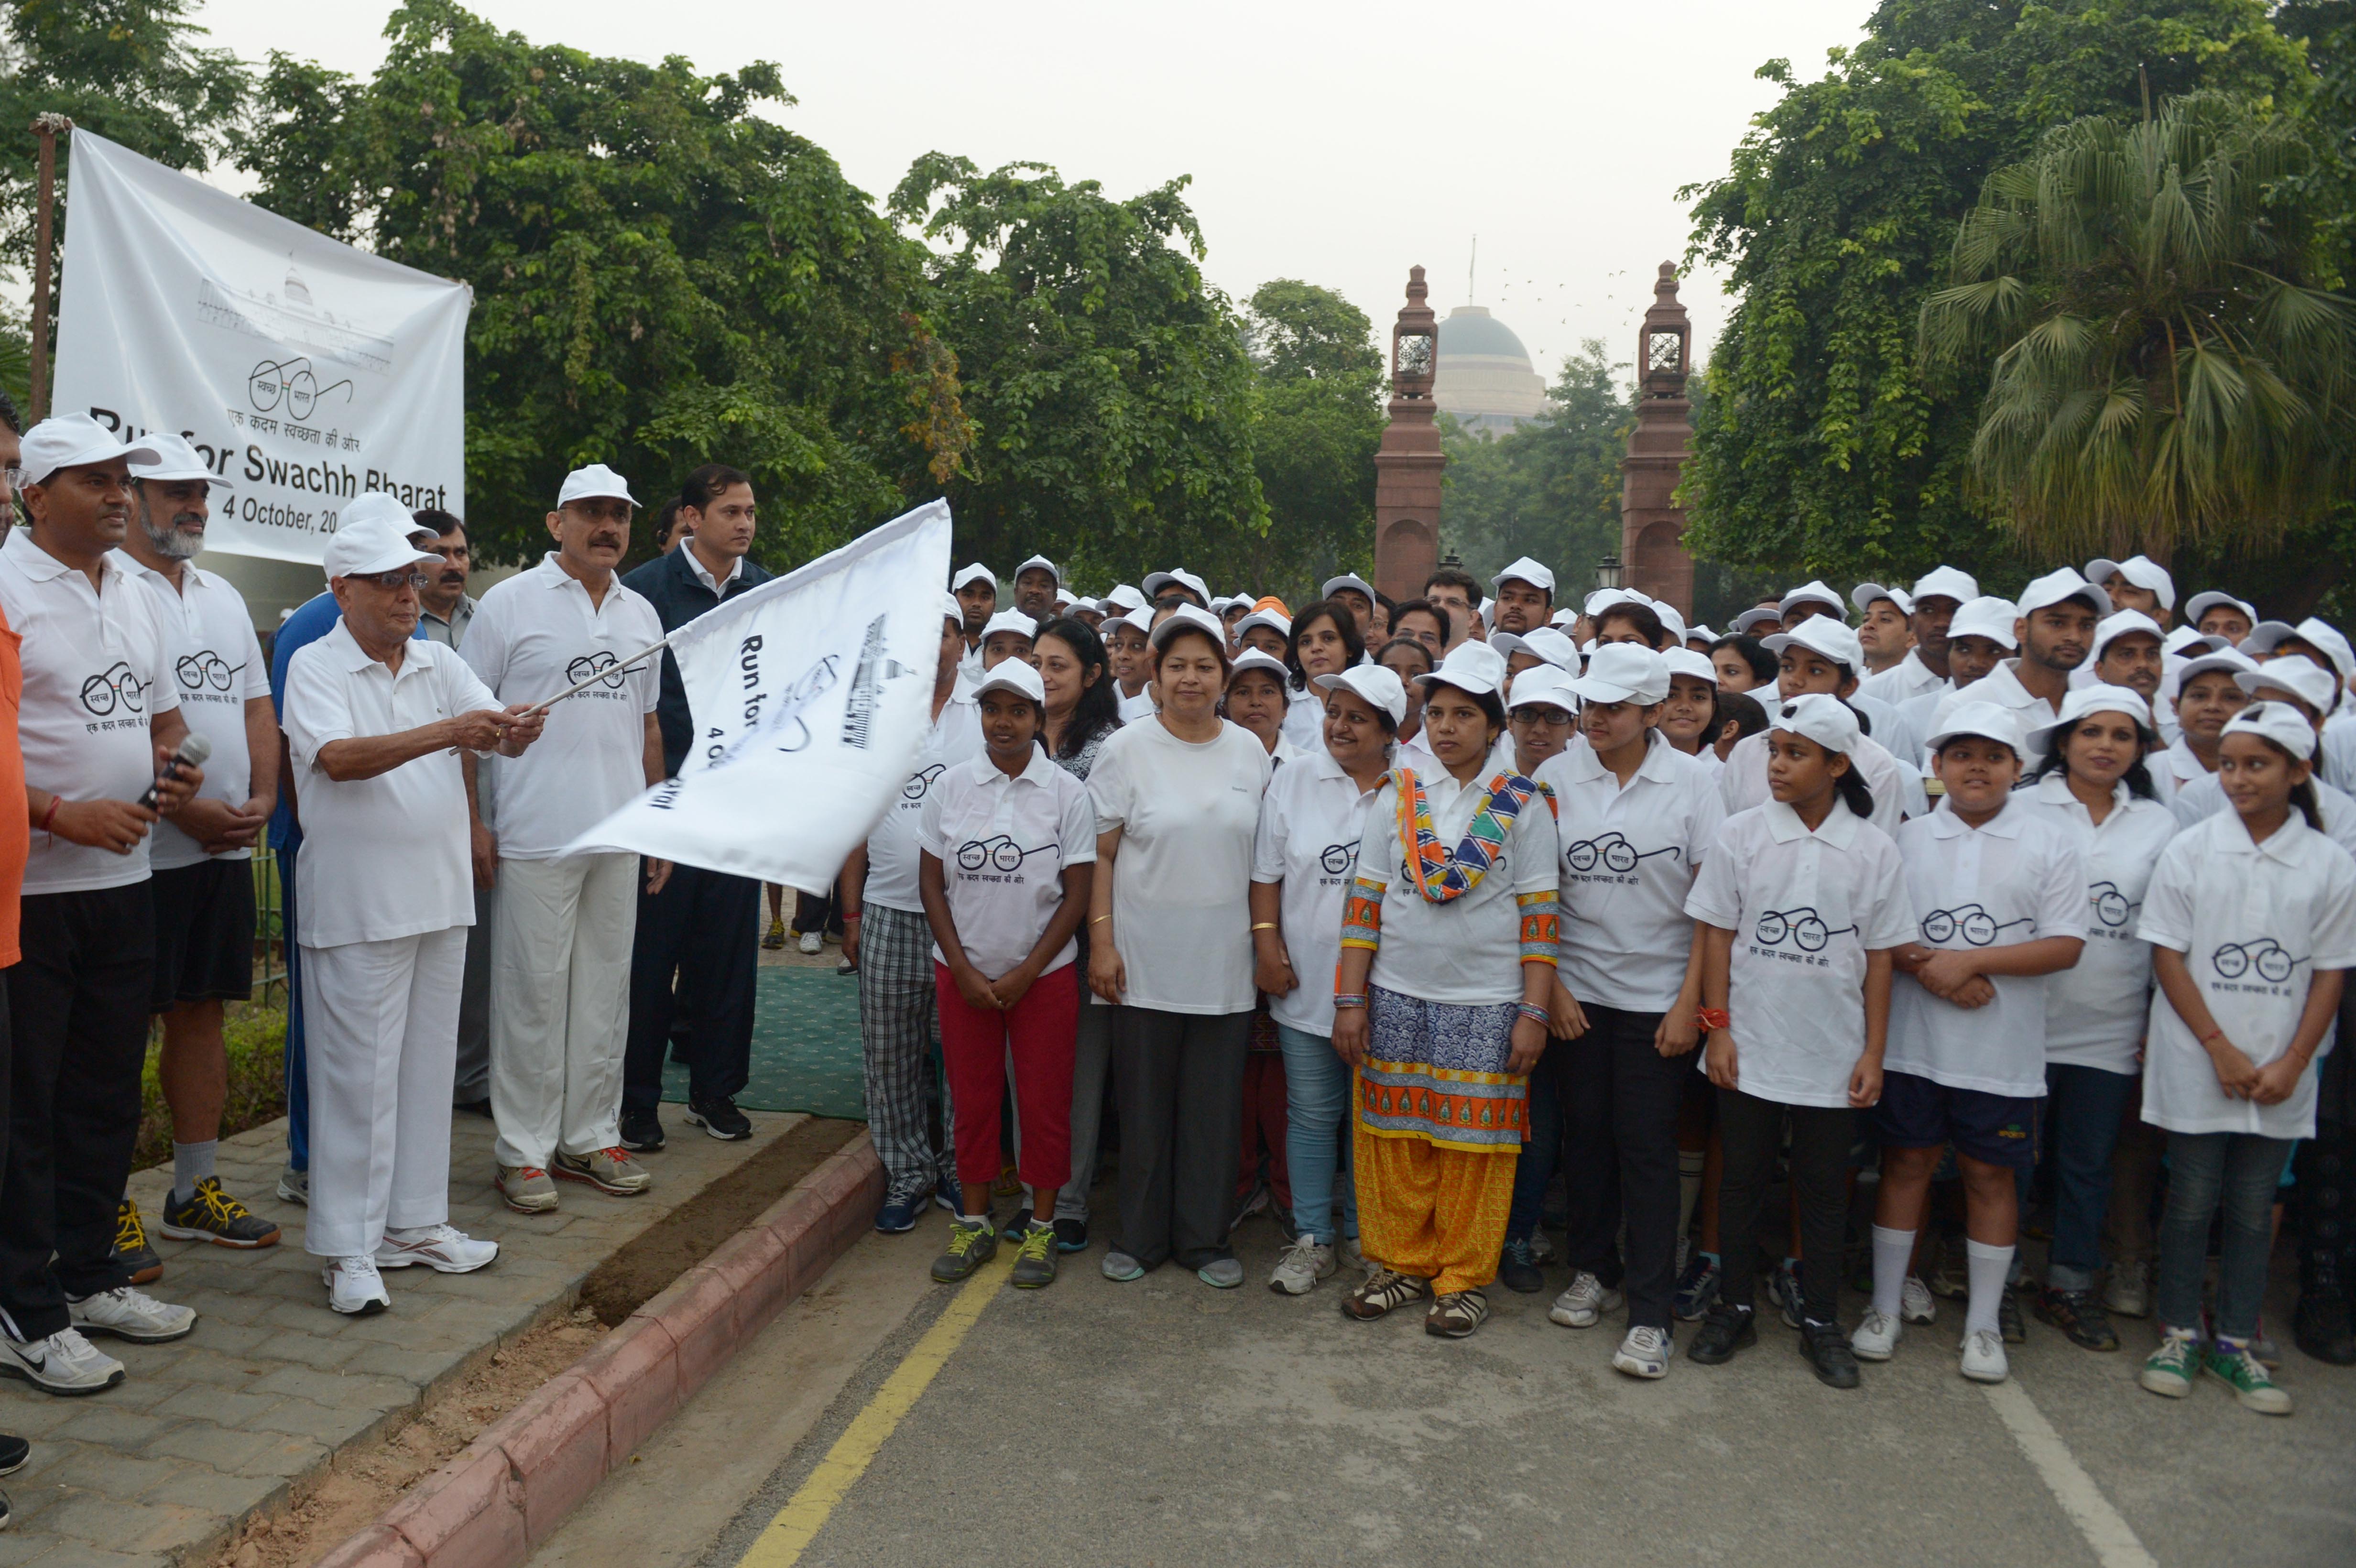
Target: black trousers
1179,1081
77,1027
1620,1100
1750,1130
701,934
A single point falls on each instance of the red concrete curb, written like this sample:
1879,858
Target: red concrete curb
503,1496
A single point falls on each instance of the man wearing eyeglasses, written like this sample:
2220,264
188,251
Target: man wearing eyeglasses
563,923
375,719
99,721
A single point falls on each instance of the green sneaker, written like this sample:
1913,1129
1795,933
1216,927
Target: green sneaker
1035,1260
971,1244
2170,1369
2251,1382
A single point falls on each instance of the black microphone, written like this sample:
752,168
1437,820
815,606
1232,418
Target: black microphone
192,753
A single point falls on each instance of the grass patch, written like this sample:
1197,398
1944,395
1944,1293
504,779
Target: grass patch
255,1036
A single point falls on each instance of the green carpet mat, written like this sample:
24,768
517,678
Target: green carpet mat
806,1050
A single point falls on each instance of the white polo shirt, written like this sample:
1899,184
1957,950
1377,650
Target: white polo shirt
1908,678
1628,856
1311,821
2255,922
893,846
1805,908
1305,717
1141,707
2003,688
97,667
1468,951
387,856
2204,797
1897,789
1003,845
2175,769
2095,1012
2016,877
218,669
532,636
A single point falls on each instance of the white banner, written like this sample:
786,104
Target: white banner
305,372
811,695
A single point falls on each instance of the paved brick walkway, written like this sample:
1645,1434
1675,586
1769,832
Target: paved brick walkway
206,1431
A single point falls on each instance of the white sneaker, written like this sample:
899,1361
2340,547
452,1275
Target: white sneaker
64,1362
1915,1302
1644,1353
1983,1359
1582,1302
444,1249
294,1187
354,1288
2128,1294
1304,1262
1346,1249
132,1315
810,941
1877,1336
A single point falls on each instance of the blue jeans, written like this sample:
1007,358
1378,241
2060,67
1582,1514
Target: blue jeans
2083,1109
1316,1100
1544,1151
2241,1171
298,1080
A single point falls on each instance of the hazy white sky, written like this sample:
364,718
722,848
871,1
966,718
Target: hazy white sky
1333,143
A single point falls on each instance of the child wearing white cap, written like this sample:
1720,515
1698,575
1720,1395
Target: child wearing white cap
2252,919
2000,894
2309,691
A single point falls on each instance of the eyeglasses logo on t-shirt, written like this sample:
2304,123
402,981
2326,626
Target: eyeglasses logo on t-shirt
1000,852
596,664
1803,927
1971,921
2113,908
1338,858
1612,852
920,783
119,687
2268,957
205,673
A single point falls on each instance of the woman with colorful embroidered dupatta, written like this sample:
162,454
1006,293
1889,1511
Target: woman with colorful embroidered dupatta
1448,958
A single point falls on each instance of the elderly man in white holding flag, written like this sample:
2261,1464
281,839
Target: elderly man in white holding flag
383,895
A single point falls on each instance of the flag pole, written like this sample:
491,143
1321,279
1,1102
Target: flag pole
47,127
607,673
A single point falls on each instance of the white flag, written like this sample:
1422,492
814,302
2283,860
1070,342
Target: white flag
304,372
811,695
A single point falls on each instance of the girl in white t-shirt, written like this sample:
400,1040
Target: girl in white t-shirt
2252,919
1008,840
2094,782
1803,901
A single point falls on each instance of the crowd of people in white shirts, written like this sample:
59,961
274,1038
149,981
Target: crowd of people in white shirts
1970,916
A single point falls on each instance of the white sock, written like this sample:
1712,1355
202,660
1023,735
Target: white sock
191,1163
1987,1266
973,1219
1893,1250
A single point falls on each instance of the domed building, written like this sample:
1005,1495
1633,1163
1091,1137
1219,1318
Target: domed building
1484,377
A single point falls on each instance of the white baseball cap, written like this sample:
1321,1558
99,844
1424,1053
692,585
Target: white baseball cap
174,460
2124,624
2184,637
1685,662
1179,577
1985,720
1700,631
1865,594
1279,624
379,506
371,543
1553,645
1985,616
1758,616
1946,583
2141,571
2058,586
1252,658
1812,592
1351,580
1039,563
1010,621
2099,698
1380,687
1190,618
1671,621
1524,570
2232,661
593,482
2278,721
952,609
2323,637
1474,667
1603,599
1827,634
1822,718
1017,676
74,441
2316,687
977,572
1126,597
1623,672
2200,605
1544,686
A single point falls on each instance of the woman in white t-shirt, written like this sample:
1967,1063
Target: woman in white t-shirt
1255,702
1448,955
2094,780
1802,903
1177,801
2252,921
1325,640
1311,822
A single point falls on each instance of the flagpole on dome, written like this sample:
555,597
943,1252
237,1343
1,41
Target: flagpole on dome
47,127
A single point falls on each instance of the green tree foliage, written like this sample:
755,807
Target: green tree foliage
1550,489
661,276
1825,449
133,71
1320,420
2163,367
1111,387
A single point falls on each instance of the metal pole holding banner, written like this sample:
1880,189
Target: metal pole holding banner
47,127
610,671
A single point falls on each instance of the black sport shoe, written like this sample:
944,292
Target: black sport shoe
13,1452
2079,1315
2009,1321
1517,1271
1826,1349
132,1255
212,1215
721,1118
1726,1330
641,1131
972,1243
1071,1235
2323,1325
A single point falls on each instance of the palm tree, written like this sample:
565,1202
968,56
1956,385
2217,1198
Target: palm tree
2164,369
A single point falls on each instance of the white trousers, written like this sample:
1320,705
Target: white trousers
560,937
380,1044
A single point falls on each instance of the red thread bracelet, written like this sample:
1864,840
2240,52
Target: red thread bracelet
51,815
1710,1019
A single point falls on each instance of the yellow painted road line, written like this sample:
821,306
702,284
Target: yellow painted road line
789,1535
